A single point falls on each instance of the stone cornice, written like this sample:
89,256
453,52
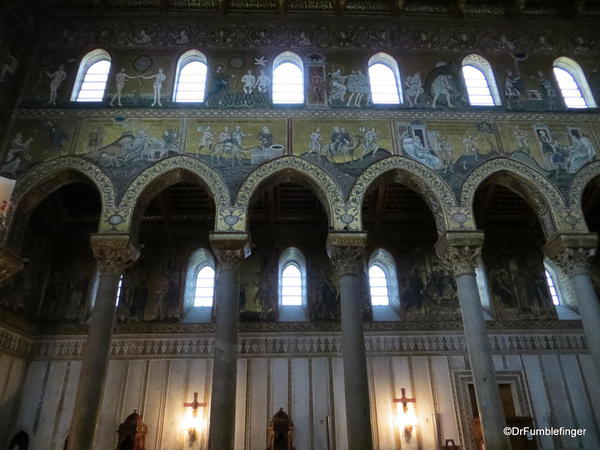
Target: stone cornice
250,345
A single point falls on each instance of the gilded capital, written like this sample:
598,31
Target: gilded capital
230,249
10,264
114,252
572,251
347,251
460,251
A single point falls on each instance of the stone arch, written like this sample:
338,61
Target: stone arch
324,186
580,182
533,187
414,175
167,172
46,178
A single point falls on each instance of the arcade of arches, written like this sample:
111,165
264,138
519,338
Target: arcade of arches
411,274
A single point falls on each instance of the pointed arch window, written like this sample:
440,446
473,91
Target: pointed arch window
384,78
378,284
480,81
288,79
190,78
383,286
292,286
92,76
199,290
573,84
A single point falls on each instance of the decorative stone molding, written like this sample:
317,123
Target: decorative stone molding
114,252
14,343
230,249
209,177
10,264
346,251
425,181
581,180
540,193
328,190
572,252
153,346
460,250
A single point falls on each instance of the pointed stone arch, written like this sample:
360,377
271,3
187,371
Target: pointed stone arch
165,173
421,179
323,185
533,187
44,179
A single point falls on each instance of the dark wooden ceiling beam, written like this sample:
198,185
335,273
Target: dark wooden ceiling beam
224,6
283,6
459,7
340,7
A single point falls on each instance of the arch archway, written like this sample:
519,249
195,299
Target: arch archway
419,178
540,194
295,169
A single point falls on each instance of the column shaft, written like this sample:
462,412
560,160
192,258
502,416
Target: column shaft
356,383
222,408
589,309
482,364
94,365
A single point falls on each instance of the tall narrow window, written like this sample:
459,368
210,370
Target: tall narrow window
190,79
379,286
92,76
288,79
292,305
384,78
119,289
204,290
480,81
573,85
552,288
291,285
199,289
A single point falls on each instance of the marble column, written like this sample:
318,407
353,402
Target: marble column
460,251
114,254
230,250
346,251
572,252
10,264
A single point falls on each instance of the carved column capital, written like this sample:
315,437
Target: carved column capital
230,249
10,264
460,250
347,252
572,251
114,252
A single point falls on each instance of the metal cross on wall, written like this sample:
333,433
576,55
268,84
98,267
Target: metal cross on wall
404,400
195,404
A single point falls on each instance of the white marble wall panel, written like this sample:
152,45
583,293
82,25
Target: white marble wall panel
559,388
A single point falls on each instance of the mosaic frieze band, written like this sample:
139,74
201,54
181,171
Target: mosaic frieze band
547,159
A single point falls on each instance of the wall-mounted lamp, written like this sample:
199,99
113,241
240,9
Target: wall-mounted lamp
407,419
192,424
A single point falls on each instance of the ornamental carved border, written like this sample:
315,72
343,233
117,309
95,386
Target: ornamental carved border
46,178
545,198
580,182
156,347
425,181
330,191
211,179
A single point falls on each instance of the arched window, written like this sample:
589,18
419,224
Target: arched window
383,286
480,81
378,285
573,85
384,78
190,78
292,286
204,291
92,76
199,290
288,79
